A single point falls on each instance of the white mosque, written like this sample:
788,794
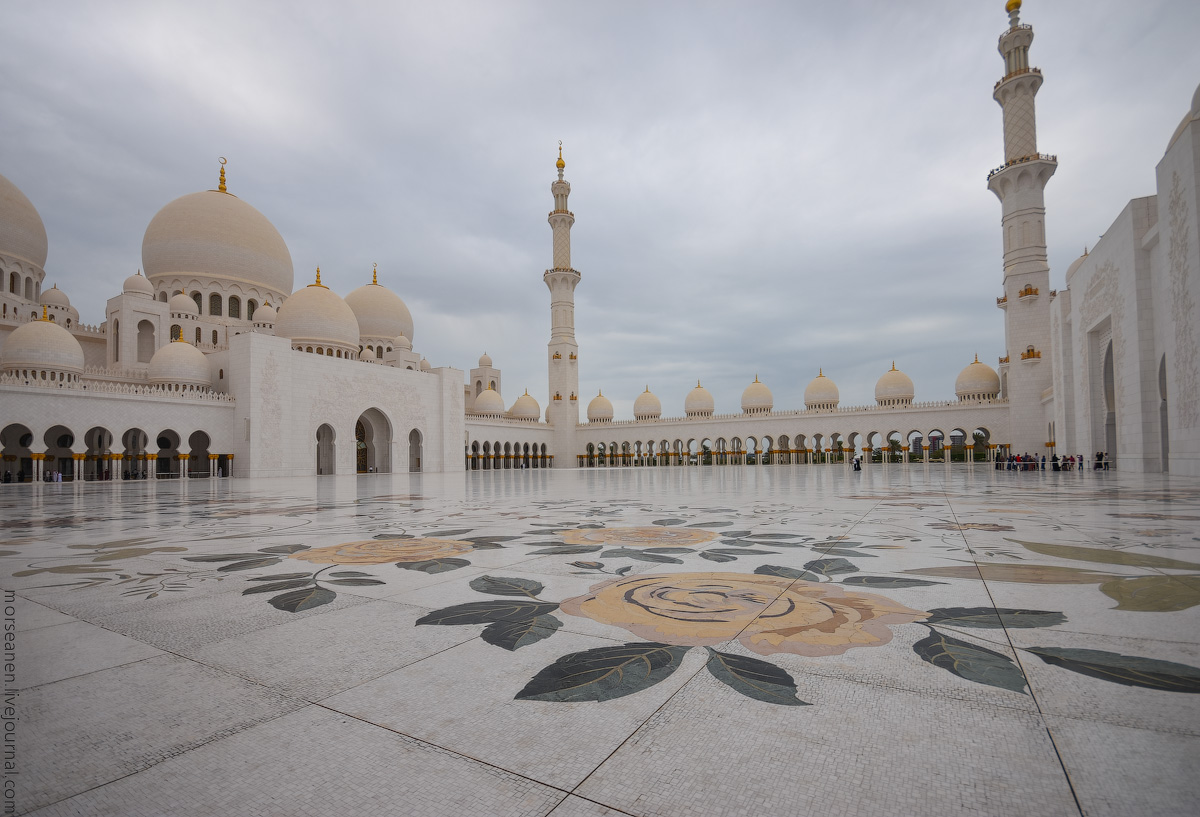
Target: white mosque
211,365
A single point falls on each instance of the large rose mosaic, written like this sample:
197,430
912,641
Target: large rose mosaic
654,536
383,551
766,614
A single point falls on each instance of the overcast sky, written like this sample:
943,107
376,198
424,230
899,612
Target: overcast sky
759,188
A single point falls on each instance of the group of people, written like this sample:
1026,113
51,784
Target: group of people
47,476
1022,462
1101,461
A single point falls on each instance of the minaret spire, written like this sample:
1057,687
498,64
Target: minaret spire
562,351
1020,185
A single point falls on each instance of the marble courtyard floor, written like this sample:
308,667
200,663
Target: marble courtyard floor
781,640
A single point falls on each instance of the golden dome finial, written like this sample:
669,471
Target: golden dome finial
318,283
1012,5
560,164
820,372
221,185
697,384
45,317
893,365
977,357
375,275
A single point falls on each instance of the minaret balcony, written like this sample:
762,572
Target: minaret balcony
1034,157
1028,293
1002,302
1016,73
1031,355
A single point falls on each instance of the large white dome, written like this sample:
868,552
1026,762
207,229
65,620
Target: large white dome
380,312
821,393
215,236
316,315
647,406
894,388
489,403
180,363
699,402
978,381
526,408
22,233
757,398
41,345
600,410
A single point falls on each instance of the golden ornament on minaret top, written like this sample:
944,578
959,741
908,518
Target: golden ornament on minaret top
560,164
1012,5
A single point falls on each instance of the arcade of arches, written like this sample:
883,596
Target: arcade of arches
916,446
498,456
99,454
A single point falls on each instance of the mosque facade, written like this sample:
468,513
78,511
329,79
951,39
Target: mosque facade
211,365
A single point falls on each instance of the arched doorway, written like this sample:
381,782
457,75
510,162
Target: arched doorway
414,450
373,442
198,461
134,441
15,441
59,440
326,462
145,341
168,449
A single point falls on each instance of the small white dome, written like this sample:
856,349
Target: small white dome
1076,264
647,406
380,312
821,393
218,238
757,398
600,410
403,343
699,402
489,403
978,381
22,233
181,304
894,388
425,367
317,316
42,345
55,297
138,285
485,361
265,314
180,363
526,408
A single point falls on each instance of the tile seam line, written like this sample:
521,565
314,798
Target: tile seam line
213,739
425,742
94,671
1017,657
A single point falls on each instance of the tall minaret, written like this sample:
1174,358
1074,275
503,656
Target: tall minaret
562,352
1019,183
